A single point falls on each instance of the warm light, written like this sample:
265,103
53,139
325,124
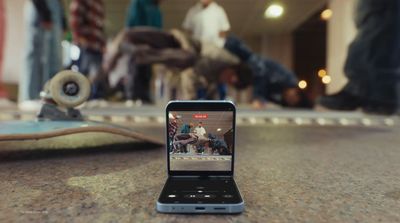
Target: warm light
274,11
322,73
302,84
219,129
327,79
326,14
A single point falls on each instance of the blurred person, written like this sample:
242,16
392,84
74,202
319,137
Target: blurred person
209,74
144,46
219,146
185,136
45,23
200,130
207,22
372,66
141,13
272,81
186,128
204,65
172,128
144,13
87,21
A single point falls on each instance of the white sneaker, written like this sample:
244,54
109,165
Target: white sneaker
132,103
139,103
96,103
30,105
129,103
103,103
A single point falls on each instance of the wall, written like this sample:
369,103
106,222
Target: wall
14,40
278,47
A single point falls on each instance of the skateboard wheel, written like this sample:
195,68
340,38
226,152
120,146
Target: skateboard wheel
69,88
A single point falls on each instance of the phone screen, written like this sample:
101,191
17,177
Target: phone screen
200,141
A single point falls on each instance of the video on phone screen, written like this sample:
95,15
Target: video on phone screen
200,141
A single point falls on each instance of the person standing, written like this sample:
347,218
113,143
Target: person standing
144,13
45,23
87,26
200,131
172,129
372,65
207,22
141,13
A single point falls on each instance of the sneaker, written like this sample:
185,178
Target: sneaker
30,105
132,103
129,103
343,101
96,103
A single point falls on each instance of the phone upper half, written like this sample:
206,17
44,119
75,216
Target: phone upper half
200,137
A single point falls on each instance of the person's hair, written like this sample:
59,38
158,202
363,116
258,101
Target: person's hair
200,122
245,76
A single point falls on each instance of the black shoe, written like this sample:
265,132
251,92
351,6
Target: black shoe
342,100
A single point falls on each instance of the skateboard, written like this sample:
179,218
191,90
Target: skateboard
59,116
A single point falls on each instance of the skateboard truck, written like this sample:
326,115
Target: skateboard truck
65,91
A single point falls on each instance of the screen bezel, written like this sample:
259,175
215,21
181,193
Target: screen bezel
200,106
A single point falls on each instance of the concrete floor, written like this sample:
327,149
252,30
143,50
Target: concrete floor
200,162
286,173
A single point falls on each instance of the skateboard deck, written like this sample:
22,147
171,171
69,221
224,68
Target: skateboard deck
59,118
37,130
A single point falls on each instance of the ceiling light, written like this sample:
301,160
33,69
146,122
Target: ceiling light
322,73
326,14
274,11
219,129
327,79
302,84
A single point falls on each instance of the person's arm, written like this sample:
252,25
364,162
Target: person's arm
44,13
188,22
225,26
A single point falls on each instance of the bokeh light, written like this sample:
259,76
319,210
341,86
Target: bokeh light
274,11
302,84
326,14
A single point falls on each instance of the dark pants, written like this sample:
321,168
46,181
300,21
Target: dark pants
373,61
138,82
90,65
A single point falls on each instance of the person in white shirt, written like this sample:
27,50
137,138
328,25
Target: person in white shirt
207,22
200,131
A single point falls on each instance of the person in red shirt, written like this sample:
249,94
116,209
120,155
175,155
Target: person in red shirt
87,27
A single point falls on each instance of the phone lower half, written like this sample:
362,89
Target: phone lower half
200,195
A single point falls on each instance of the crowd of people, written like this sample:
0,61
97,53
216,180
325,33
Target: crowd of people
184,138
200,60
